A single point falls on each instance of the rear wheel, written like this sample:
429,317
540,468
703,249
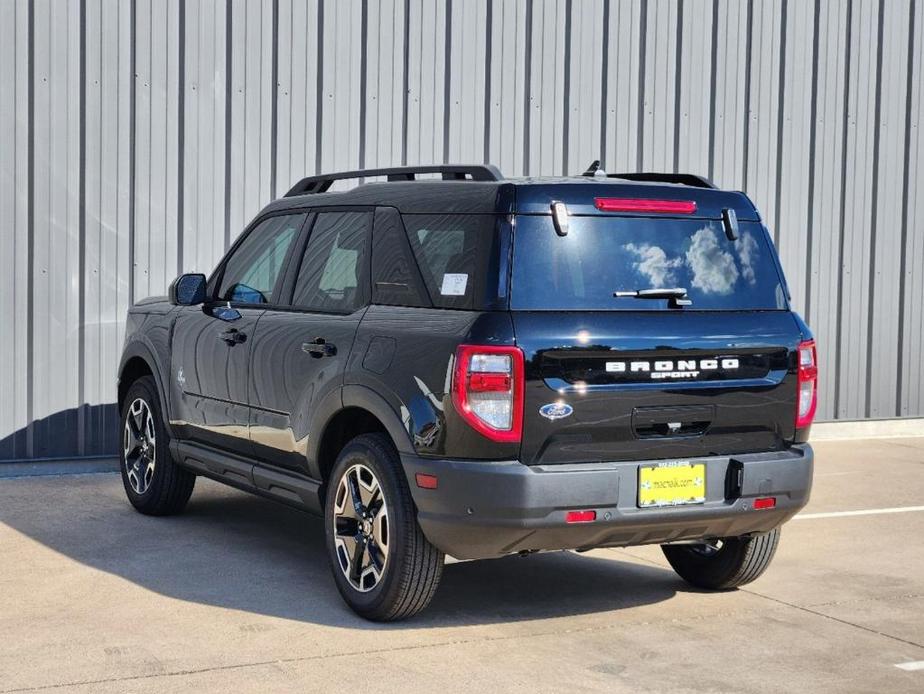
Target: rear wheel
154,484
725,563
384,567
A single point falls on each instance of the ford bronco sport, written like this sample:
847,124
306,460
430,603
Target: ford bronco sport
448,362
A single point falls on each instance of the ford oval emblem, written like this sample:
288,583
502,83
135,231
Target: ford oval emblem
556,410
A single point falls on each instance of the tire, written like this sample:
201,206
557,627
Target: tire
398,570
738,561
154,484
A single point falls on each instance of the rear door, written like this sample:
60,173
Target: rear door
300,350
622,378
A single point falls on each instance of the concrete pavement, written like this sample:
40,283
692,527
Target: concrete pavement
236,595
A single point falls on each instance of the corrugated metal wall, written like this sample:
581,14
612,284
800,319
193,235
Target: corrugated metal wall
137,137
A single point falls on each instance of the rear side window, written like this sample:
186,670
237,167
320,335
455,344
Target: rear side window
458,257
333,276
602,255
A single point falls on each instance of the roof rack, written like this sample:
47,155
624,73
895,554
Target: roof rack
450,172
684,179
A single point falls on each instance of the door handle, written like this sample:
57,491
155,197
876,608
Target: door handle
319,348
233,336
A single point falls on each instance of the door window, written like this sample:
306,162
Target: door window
333,277
251,272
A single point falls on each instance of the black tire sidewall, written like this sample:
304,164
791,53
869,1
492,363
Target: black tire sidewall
734,565
375,454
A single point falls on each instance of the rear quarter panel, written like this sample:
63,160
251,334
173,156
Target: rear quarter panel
406,356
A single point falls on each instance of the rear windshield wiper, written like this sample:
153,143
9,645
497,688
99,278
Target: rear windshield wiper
677,295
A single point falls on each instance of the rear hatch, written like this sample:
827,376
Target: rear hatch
625,378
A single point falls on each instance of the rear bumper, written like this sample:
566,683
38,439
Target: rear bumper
487,509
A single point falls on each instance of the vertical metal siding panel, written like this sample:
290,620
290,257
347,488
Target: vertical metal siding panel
251,76
794,164
585,97
467,84
883,356
340,143
660,76
56,271
547,88
203,197
912,401
142,163
156,147
508,76
854,303
9,192
825,217
297,92
764,99
427,68
695,88
99,209
13,223
105,296
730,115
384,83
622,88
291,129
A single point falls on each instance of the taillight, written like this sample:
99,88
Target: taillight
487,390
807,381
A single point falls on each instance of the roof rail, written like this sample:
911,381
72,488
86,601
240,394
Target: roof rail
682,178
451,172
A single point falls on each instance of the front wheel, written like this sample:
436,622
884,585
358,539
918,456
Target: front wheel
384,567
725,563
154,484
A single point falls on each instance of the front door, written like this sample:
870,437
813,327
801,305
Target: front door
212,343
300,352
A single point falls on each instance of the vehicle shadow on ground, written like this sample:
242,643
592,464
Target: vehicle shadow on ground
234,550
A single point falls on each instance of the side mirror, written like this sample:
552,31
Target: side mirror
188,290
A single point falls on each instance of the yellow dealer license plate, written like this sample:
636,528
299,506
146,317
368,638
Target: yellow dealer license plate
671,484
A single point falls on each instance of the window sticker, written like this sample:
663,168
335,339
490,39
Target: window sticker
454,284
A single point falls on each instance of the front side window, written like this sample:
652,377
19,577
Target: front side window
251,272
334,277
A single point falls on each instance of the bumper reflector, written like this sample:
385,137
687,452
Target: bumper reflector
766,502
425,481
580,516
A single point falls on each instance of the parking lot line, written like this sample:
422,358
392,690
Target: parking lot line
912,666
866,512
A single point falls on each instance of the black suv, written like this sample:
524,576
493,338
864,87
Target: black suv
448,362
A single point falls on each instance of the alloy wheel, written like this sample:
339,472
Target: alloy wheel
361,529
139,445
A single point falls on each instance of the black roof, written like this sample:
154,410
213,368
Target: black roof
471,189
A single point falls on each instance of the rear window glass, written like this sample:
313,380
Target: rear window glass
603,255
458,257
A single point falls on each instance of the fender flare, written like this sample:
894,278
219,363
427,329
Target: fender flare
140,349
363,398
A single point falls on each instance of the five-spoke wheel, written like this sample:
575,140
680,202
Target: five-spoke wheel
139,444
361,528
